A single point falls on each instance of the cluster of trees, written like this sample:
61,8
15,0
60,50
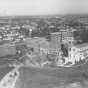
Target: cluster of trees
81,26
46,26
82,35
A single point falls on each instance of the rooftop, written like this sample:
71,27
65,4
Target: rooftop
68,30
56,33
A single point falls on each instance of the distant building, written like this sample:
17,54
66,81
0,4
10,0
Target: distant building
63,43
68,36
64,36
55,42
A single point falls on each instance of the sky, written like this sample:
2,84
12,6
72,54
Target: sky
42,7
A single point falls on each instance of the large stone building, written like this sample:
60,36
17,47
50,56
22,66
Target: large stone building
65,37
63,43
77,53
68,36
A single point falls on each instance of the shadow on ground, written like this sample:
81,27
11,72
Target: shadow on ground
76,77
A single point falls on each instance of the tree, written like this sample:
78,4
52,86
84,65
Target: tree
84,35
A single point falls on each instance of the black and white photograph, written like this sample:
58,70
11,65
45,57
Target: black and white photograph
43,43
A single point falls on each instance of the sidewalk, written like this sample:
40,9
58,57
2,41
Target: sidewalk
10,79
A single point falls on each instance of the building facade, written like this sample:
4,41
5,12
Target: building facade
78,52
55,42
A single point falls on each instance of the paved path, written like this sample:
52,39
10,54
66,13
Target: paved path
10,78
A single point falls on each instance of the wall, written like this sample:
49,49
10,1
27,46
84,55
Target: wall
78,54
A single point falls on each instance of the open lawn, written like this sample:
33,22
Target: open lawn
4,70
53,78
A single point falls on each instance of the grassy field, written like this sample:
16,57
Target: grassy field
53,78
4,70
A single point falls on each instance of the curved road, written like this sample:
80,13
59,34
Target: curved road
10,78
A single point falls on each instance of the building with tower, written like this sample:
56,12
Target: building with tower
68,36
77,53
